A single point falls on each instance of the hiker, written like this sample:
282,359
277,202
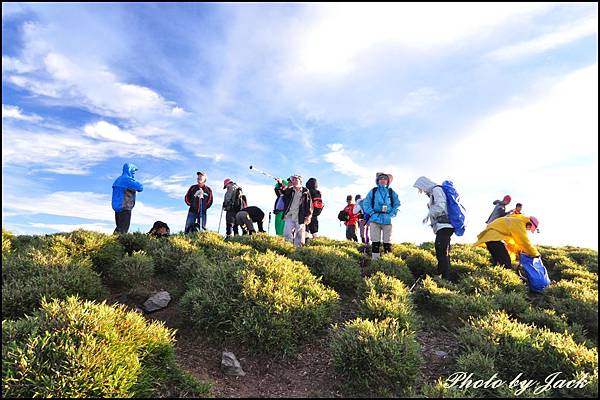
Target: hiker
280,187
517,210
233,202
159,229
297,212
352,219
247,216
199,197
381,203
317,201
499,209
439,221
362,219
123,197
505,237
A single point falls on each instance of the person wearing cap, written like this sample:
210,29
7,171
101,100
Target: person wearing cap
352,219
123,197
362,218
506,237
439,222
199,197
233,202
499,209
297,211
381,203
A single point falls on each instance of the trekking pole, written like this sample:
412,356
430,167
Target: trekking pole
220,218
414,284
269,226
262,172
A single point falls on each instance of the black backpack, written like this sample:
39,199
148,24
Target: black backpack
236,203
343,216
373,197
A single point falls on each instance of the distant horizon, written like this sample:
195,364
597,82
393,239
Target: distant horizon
499,98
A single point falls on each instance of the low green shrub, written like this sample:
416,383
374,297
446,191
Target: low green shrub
7,240
107,256
338,270
375,358
553,321
387,297
265,301
492,280
135,270
217,249
26,281
71,348
420,262
168,253
390,265
263,242
535,352
135,241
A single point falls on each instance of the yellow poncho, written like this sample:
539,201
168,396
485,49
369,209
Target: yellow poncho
511,230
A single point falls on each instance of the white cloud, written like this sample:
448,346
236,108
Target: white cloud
563,35
172,185
344,163
15,112
105,130
105,228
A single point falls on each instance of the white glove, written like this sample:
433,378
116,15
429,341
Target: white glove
199,193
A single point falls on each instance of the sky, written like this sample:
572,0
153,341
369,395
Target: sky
499,98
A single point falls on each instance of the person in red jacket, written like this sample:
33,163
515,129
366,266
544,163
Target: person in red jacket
351,221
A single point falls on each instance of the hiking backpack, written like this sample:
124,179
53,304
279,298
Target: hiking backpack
343,216
537,275
317,206
456,211
236,202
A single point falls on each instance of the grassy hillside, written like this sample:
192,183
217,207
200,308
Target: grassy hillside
368,333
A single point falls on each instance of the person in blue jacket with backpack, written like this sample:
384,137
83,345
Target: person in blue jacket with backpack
381,203
439,221
123,197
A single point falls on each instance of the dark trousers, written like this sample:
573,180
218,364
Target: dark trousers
122,218
230,224
442,251
499,253
313,227
351,232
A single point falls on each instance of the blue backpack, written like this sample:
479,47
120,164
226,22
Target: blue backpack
456,211
537,275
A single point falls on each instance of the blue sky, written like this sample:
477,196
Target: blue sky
499,98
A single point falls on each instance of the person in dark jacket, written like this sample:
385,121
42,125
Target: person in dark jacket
233,202
315,194
123,197
199,197
159,229
247,216
499,209
297,212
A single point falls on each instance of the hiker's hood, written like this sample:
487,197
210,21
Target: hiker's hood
425,184
311,184
389,177
129,169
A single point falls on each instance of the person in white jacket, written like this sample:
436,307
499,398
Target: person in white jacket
438,218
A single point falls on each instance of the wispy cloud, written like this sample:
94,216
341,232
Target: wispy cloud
15,112
563,35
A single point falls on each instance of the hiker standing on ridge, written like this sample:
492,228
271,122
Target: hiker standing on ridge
518,210
499,209
439,221
280,187
317,201
352,219
123,197
362,218
199,197
381,203
506,237
297,212
233,202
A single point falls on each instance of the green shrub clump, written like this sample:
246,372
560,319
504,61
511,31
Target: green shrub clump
390,265
265,301
376,358
263,242
420,262
387,297
71,348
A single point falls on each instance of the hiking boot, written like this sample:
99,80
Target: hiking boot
375,256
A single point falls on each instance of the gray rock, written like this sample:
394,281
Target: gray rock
441,354
157,301
230,365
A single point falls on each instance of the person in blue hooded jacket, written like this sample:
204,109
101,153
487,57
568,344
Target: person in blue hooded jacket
382,205
123,197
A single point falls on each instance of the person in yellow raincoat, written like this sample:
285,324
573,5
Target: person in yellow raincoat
506,237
